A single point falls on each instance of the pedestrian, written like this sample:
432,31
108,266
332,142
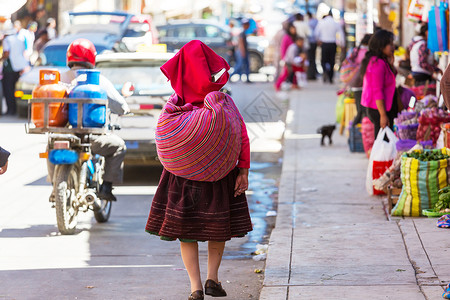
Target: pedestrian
276,46
328,34
241,53
302,29
14,64
51,28
292,63
288,39
40,43
312,69
356,83
27,35
4,155
233,43
378,73
81,55
423,65
190,210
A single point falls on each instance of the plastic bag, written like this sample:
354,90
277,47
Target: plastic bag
381,157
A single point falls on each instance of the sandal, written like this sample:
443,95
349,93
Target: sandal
197,295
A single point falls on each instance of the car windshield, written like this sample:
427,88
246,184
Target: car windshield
146,76
136,30
56,55
102,23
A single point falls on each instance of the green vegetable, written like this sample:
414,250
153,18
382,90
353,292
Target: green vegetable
433,155
444,199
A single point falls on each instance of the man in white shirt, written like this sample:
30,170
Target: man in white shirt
326,35
14,64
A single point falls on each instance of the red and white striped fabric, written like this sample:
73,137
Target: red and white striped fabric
201,144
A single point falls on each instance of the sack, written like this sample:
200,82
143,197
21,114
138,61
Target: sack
201,144
381,158
368,135
421,182
349,68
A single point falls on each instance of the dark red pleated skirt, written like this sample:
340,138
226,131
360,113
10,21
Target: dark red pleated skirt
197,210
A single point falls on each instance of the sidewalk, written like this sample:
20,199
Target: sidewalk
331,239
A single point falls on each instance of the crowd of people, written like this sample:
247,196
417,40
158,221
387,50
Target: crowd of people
306,34
21,47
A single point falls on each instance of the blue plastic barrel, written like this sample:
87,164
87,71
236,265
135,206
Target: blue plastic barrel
94,115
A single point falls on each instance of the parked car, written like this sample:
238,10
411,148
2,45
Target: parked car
151,91
175,34
105,29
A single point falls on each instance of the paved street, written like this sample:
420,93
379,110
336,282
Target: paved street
331,240
118,260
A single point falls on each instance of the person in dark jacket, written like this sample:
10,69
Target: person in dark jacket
4,155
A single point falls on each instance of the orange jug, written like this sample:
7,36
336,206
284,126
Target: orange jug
49,87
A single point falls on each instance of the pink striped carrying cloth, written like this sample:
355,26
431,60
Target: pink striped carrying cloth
201,144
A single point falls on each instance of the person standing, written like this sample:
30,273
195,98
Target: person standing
193,210
303,30
4,155
241,53
326,34
378,93
311,52
51,28
28,36
14,64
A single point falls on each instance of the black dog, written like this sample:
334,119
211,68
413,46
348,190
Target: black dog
326,130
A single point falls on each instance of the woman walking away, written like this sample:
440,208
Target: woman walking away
203,145
379,80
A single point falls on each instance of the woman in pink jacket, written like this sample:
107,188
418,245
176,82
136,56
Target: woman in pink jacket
379,80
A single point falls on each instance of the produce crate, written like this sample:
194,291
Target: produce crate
31,128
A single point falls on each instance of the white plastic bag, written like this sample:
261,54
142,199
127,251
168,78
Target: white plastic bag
382,151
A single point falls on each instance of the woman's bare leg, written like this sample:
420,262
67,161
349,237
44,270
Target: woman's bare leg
189,254
215,252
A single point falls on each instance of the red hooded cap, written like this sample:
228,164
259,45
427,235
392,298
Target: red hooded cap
190,72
